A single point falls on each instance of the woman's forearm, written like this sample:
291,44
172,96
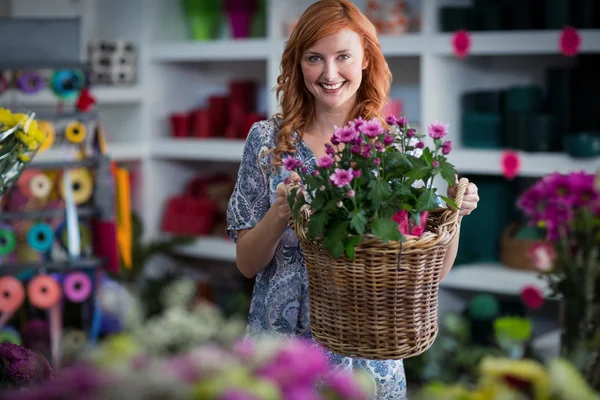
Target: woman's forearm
256,247
451,254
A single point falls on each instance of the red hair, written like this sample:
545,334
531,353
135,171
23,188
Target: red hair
324,18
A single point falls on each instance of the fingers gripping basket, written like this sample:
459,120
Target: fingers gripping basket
383,304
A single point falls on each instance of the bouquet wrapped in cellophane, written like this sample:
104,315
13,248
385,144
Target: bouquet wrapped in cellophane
20,139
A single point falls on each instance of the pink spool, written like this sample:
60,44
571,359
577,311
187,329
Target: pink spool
43,292
77,287
12,294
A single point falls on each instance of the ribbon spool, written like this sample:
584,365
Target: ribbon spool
30,82
66,84
77,287
43,292
10,335
74,342
40,237
85,236
48,128
40,186
8,241
83,186
24,182
75,132
12,294
36,335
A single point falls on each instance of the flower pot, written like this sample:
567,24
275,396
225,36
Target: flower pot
203,26
240,23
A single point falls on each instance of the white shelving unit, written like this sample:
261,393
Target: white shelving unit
176,74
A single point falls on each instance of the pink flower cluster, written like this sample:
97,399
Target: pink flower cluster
300,367
555,199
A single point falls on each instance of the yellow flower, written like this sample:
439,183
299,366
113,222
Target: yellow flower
514,373
6,117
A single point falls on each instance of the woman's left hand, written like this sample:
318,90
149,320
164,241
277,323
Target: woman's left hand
470,199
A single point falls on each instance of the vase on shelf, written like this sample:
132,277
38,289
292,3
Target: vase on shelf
203,17
240,14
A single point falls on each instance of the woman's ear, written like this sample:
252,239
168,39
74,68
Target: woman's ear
365,64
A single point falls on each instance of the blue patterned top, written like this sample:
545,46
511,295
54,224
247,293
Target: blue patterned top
280,299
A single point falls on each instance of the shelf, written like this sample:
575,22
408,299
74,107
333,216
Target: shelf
216,50
199,149
516,43
492,278
488,162
103,94
214,248
116,151
410,44
52,266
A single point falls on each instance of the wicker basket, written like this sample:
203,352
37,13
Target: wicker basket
384,304
513,251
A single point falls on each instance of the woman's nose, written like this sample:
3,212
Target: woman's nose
330,71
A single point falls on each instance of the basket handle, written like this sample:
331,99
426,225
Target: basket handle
298,225
460,194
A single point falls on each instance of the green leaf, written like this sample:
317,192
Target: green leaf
395,160
380,191
312,181
427,156
449,201
448,172
350,243
427,201
386,230
331,205
318,202
421,173
358,222
334,238
318,222
416,217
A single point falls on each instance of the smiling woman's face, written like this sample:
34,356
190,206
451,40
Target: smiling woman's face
333,68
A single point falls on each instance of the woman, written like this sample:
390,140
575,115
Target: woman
332,71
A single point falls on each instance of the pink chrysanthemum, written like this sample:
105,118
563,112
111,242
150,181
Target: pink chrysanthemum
291,163
325,162
346,134
372,128
447,147
342,177
437,130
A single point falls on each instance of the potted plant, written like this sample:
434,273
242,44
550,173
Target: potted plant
374,236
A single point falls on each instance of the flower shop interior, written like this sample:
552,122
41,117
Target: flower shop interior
147,105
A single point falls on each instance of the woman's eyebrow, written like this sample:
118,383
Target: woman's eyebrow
316,53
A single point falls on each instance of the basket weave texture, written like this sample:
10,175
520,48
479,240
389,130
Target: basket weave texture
382,305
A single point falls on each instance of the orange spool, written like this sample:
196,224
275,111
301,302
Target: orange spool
43,292
12,294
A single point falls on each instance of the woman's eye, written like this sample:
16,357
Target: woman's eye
314,58
344,56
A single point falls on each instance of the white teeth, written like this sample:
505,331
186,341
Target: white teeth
332,87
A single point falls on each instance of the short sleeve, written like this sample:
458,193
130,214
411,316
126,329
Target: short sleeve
249,201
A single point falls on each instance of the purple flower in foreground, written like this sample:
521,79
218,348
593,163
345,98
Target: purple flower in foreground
22,367
342,177
411,133
357,123
437,130
420,145
391,119
435,163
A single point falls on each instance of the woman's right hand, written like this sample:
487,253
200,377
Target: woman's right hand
281,205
